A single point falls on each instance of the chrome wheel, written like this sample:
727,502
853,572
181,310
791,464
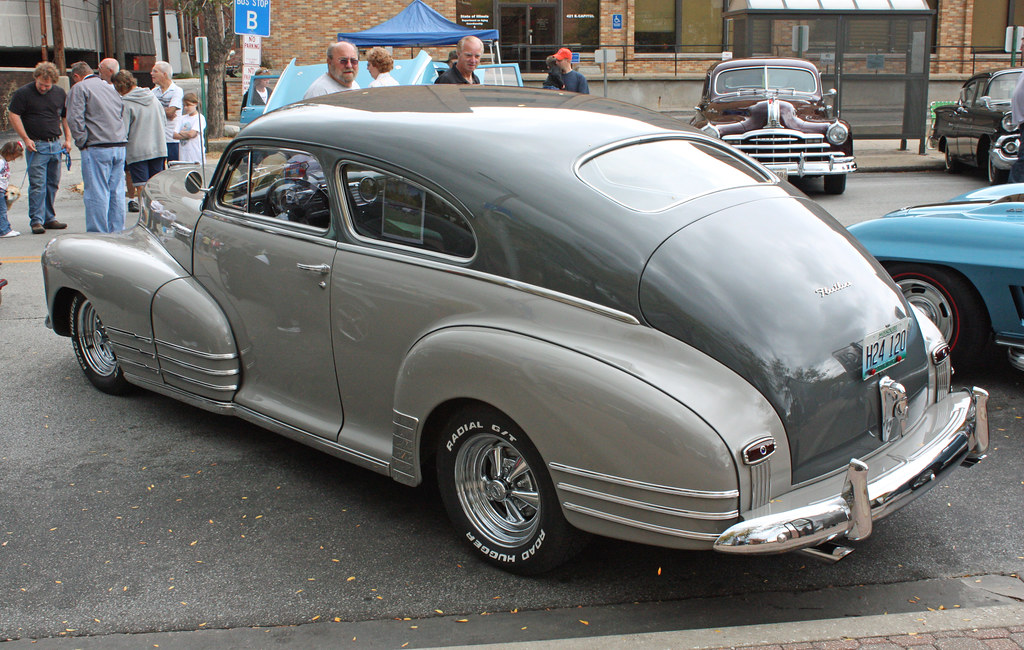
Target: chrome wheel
497,490
93,343
933,302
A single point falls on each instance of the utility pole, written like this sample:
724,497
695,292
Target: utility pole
57,25
117,18
162,21
42,28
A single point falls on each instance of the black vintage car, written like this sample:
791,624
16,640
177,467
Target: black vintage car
774,110
977,129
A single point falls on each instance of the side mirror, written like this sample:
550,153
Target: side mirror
986,101
194,182
832,92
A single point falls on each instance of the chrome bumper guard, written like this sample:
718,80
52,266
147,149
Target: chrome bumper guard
849,515
1001,159
834,165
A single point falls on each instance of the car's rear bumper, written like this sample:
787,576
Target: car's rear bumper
962,437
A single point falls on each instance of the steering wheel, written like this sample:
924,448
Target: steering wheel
298,200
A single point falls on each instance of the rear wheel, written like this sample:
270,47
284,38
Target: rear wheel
835,184
951,303
499,496
93,349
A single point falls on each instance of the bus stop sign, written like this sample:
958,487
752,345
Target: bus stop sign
252,17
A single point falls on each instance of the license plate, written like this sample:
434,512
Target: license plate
885,348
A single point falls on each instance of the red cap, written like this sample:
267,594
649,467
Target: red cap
564,53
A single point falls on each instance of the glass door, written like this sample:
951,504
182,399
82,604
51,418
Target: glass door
529,34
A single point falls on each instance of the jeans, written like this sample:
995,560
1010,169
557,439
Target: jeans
103,175
43,179
5,225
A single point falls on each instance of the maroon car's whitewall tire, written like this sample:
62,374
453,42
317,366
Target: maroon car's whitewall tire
951,303
93,349
499,495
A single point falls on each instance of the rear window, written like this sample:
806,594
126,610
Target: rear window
655,175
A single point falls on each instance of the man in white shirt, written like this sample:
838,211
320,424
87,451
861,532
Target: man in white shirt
342,68
170,95
1017,107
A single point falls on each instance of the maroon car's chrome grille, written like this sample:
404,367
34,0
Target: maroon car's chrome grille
781,148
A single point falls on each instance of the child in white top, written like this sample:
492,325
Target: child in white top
191,129
9,152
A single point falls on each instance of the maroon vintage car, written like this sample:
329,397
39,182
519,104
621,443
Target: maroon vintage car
774,110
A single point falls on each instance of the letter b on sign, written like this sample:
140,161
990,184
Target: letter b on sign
252,17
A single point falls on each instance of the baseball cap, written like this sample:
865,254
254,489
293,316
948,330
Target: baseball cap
564,53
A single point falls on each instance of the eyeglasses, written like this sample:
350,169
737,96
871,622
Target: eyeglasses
342,60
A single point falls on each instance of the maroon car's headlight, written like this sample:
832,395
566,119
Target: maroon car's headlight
837,133
1007,122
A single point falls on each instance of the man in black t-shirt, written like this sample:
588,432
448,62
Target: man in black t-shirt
37,114
470,50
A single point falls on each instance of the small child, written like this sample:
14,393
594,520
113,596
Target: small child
9,152
191,126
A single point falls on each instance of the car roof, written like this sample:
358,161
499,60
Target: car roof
776,61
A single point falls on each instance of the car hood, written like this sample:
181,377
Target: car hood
994,202
747,114
780,293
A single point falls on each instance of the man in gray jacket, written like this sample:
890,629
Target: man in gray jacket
94,113
144,118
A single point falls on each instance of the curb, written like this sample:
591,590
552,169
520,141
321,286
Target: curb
774,634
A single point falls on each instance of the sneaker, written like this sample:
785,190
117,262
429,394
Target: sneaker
10,233
133,206
37,229
54,225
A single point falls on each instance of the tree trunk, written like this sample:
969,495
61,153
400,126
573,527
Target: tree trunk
220,37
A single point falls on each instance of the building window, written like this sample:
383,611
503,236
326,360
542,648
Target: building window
581,25
991,20
666,26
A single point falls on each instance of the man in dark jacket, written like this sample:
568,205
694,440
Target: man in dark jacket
574,81
95,116
470,50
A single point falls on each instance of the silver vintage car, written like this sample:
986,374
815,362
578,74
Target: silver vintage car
583,316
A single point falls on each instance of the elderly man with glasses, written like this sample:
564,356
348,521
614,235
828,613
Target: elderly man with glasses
342,68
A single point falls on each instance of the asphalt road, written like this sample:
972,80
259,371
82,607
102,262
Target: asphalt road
140,514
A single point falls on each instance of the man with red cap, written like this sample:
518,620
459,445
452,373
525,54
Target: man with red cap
574,81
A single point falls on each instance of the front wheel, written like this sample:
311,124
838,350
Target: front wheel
951,303
93,349
499,496
835,184
996,176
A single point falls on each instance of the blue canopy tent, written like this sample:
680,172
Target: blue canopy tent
418,25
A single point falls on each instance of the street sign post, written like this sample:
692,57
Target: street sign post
252,17
202,58
605,56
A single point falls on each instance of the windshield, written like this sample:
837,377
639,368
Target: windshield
1001,88
655,175
764,77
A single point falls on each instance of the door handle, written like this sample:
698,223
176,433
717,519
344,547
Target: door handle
322,269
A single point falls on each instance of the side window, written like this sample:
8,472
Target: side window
389,208
282,184
235,193
971,93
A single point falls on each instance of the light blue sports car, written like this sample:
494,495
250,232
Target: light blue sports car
962,263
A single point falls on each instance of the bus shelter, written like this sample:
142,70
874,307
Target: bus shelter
875,53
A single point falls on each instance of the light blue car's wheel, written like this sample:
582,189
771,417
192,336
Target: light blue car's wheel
951,303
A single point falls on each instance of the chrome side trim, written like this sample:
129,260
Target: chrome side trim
760,484
196,382
661,530
651,507
197,353
213,406
205,371
541,292
641,485
133,335
403,448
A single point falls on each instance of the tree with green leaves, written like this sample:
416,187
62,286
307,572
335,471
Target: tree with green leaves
216,24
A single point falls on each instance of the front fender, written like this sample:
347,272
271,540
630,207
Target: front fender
626,458
120,273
